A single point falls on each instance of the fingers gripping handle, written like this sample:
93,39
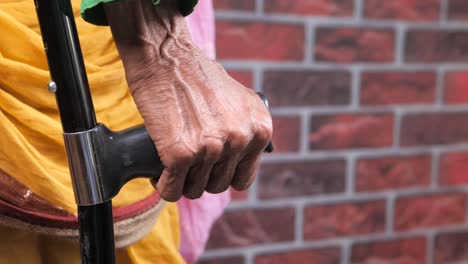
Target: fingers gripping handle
144,158
102,161
139,154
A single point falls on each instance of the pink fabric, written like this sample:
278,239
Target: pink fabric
197,216
196,220
202,27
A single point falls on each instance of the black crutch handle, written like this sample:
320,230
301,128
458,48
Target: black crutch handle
269,148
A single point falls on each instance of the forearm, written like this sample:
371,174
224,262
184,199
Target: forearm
145,33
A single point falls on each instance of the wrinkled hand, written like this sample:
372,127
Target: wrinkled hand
209,129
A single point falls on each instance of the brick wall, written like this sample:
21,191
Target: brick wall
370,105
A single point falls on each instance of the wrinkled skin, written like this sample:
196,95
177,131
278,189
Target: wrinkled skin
209,129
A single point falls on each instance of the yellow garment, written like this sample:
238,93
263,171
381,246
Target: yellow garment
31,144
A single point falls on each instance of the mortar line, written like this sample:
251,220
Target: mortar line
430,243
439,92
325,21
346,252
397,115
350,174
341,154
435,169
249,257
400,38
390,213
258,79
304,137
330,66
358,10
274,248
259,4
253,194
299,224
405,110
356,74
444,7
466,211
309,43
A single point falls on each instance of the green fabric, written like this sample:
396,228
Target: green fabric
92,11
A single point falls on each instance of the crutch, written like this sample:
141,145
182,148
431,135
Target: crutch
101,161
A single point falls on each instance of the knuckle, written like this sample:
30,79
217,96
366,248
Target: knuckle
183,154
239,139
213,148
264,132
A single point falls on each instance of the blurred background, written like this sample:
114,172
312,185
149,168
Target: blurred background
370,105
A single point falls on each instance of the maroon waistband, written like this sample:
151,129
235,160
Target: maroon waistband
71,221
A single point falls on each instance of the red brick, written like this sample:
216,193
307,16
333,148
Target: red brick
322,256
451,248
348,219
313,8
344,131
436,46
301,178
238,5
351,44
430,211
244,77
307,88
456,89
260,41
225,260
377,174
458,10
415,10
287,134
434,129
389,88
249,227
454,169
405,251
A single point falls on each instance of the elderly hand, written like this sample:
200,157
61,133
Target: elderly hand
209,129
